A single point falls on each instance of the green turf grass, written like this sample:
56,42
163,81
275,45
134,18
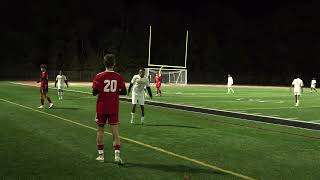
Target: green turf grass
35,145
278,102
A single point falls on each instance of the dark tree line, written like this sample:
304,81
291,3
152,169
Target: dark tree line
258,42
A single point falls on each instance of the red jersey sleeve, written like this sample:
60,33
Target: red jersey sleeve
97,84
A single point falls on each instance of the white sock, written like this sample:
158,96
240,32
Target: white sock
100,152
142,118
132,116
116,153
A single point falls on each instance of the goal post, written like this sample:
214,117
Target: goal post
169,76
163,65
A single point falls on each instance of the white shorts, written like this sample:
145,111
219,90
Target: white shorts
313,86
60,87
297,93
138,99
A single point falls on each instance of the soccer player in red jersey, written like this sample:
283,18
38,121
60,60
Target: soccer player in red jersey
158,83
44,86
108,85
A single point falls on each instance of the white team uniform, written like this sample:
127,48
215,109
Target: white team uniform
139,83
60,81
230,82
313,83
297,84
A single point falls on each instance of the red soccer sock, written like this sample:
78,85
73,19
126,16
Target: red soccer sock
116,147
49,100
42,102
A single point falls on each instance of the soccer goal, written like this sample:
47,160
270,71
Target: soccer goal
169,76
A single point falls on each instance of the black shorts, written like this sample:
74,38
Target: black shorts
44,90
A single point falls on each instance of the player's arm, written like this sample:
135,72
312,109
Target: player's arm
149,91
95,91
66,81
122,87
95,86
55,84
130,87
131,84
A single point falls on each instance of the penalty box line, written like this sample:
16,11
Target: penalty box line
139,143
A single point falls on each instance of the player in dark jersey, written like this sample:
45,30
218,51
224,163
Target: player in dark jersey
108,85
44,86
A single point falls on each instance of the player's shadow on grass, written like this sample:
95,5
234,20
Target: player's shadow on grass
174,168
172,125
66,108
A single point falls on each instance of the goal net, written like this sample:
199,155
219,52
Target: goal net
169,76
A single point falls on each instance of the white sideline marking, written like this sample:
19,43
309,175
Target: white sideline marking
291,107
231,111
140,143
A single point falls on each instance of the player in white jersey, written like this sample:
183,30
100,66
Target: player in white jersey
313,85
297,85
230,83
138,83
60,81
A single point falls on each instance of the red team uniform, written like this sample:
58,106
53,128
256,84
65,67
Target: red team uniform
158,83
109,84
44,82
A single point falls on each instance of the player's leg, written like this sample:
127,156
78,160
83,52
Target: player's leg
41,99
157,93
160,90
116,144
61,93
100,142
133,111
113,120
231,89
296,99
142,113
100,120
45,94
228,90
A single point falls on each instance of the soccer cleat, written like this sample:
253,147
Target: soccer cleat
41,107
51,105
100,158
118,161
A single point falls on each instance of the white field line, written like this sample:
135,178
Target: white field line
83,92
139,143
291,107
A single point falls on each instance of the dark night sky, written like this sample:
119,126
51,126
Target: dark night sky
257,41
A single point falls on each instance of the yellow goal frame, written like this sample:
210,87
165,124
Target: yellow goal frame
169,66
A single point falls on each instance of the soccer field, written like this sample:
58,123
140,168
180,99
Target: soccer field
59,143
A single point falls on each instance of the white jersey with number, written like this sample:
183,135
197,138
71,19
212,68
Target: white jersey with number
139,83
230,81
60,81
313,83
297,84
